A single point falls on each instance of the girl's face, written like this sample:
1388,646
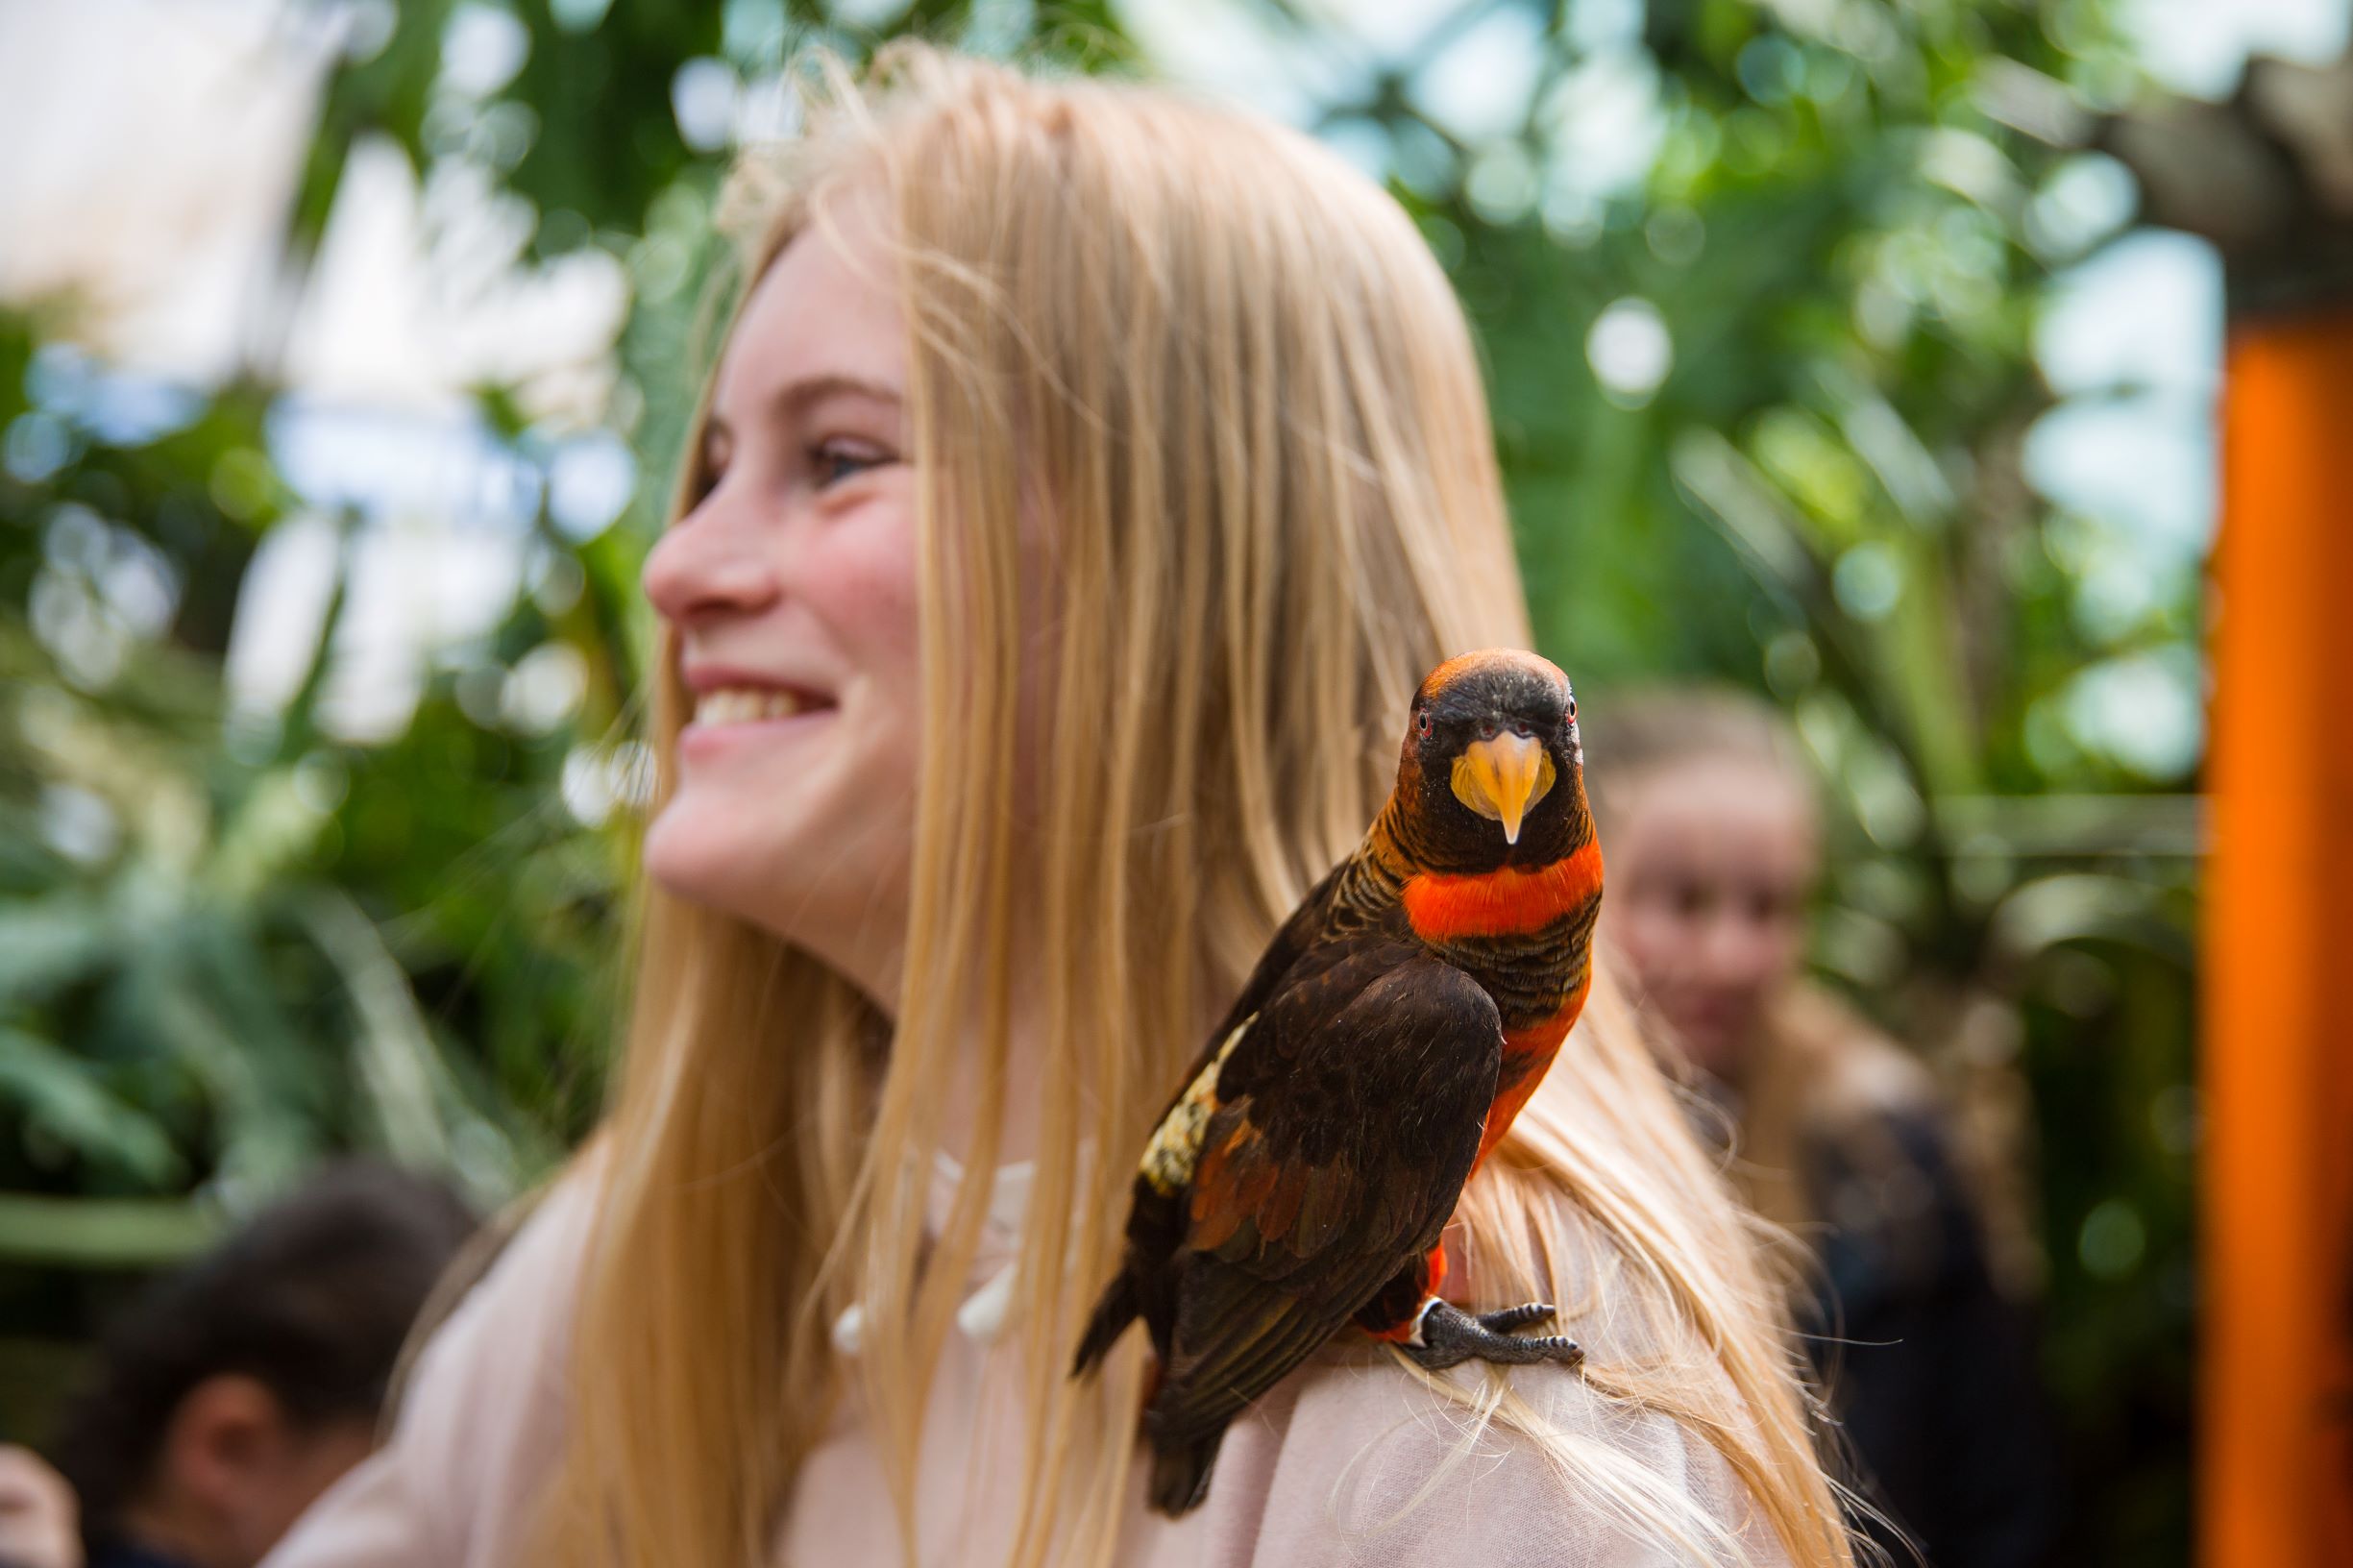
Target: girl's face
790,588
1709,868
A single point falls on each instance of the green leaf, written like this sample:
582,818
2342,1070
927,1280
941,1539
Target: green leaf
51,942
67,1099
104,1233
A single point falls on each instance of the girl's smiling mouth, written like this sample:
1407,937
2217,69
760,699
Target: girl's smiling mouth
745,704
743,711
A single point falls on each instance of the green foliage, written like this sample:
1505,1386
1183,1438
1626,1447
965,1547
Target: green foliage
234,939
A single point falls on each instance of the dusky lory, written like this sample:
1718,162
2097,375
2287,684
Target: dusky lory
1301,1177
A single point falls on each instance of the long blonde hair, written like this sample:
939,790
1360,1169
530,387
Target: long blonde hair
1224,372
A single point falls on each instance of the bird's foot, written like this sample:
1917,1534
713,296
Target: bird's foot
1445,1335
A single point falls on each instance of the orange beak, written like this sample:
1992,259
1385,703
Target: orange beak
1501,778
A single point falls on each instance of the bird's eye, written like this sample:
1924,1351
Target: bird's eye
1572,710
1422,724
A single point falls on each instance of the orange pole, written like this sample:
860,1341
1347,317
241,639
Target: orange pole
2275,1466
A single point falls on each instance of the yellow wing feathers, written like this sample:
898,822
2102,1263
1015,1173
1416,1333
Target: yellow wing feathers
1168,1160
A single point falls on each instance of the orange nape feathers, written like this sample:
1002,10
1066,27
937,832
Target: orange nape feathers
1510,902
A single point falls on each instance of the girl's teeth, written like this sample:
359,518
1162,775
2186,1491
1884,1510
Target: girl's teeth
737,706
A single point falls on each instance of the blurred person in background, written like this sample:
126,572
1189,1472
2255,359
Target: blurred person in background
1089,479
1708,812
237,1389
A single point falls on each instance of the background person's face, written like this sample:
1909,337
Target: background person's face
792,588
1710,867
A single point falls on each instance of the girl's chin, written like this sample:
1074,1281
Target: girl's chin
696,850
690,856
1714,1047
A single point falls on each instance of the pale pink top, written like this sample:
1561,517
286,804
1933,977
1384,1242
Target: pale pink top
1348,1461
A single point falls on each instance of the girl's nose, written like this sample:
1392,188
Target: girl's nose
709,563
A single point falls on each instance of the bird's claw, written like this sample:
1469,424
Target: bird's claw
1446,1335
1516,1318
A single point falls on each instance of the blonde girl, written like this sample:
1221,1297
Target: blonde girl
1088,479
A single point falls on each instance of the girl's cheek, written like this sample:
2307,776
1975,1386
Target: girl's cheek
1647,936
874,582
881,620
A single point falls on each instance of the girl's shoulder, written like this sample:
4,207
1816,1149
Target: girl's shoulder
478,1418
1359,1460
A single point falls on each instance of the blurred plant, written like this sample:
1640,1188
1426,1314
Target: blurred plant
194,982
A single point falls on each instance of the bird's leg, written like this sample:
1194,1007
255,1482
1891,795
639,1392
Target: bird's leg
1446,1335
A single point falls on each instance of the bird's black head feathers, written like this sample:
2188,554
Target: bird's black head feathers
1482,730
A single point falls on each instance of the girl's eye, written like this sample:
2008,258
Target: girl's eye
833,461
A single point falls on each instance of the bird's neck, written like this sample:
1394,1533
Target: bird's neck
1509,901
1371,884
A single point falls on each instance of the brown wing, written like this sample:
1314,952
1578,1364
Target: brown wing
1146,1284
1297,936
1347,1119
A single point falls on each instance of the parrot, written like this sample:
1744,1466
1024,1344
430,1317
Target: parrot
1301,1177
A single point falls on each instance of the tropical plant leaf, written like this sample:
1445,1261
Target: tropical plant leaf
67,1099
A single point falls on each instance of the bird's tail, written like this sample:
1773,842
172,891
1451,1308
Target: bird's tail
1180,1473
1117,1309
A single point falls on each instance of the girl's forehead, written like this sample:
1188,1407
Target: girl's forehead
827,305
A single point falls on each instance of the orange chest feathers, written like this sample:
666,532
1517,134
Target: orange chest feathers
1510,902
1505,916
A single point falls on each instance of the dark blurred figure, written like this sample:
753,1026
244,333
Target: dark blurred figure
235,1391
1708,814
